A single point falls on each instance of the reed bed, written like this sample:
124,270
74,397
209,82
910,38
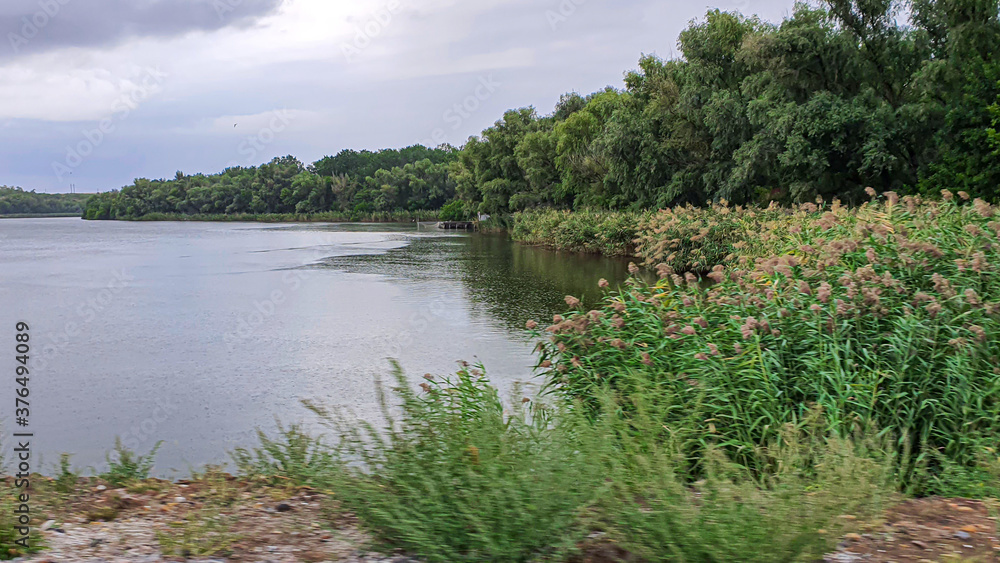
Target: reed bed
886,315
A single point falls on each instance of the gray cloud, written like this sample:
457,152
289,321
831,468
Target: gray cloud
34,26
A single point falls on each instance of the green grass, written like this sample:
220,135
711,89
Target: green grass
67,478
455,477
458,475
293,456
126,467
203,533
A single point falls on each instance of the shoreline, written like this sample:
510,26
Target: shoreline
41,216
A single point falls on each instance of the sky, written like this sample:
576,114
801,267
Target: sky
95,93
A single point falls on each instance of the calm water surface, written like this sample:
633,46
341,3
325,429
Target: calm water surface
196,333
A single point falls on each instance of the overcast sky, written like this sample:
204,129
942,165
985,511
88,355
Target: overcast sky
98,92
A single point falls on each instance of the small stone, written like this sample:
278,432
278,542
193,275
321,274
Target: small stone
48,524
271,548
283,507
962,535
100,488
965,509
125,500
971,529
179,500
852,537
920,544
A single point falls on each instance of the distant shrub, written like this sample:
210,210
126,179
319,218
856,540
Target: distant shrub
455,210
696,239
611,233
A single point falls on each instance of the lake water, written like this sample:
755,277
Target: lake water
197,333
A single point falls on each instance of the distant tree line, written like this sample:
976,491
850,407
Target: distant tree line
838,97
17,201
352,182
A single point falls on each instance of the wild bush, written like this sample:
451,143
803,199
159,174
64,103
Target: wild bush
457,477
887,314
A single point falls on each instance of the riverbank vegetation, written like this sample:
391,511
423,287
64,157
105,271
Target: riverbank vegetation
837,97
20,202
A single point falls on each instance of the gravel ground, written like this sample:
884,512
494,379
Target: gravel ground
252,523
220,518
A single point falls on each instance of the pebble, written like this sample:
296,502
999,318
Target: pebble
962,535
283,507
48,524
179,500
100,488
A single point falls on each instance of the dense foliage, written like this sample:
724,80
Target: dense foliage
841,95
836,98
351,184
16,201
886,315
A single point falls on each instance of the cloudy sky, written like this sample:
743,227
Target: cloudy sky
98,92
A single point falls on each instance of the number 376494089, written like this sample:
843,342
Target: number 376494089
22,350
